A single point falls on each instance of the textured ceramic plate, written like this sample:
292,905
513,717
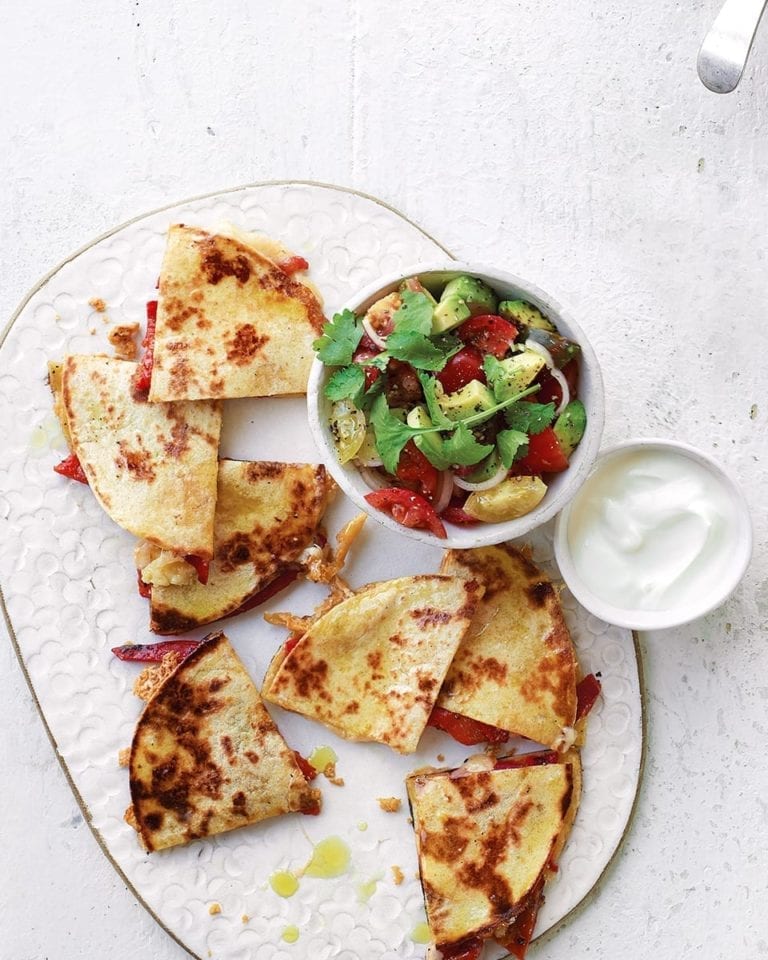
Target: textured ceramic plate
70,595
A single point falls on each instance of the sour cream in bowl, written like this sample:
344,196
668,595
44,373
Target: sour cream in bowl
658,535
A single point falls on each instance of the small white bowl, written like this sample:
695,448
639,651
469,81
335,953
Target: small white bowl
725,576
561,488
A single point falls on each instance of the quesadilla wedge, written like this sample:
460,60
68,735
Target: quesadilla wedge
152,467
230,322
488,836
516,669
267,515
371,667
206,756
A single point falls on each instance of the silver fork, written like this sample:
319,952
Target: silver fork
724,53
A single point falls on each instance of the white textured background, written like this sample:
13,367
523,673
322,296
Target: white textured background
570,142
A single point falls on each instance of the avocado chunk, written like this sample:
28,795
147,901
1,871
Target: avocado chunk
472,399
524,315
449,314
513,497
570,426
485,469
477,295
429,443
560,349
516,373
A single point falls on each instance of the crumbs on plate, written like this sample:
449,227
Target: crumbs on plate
390,804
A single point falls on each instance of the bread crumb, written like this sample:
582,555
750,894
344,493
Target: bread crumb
330,775
123,339
124,757
214,909
152,678
130,817
245,918
398,875
98,304
390,804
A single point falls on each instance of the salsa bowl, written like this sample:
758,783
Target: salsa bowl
561,487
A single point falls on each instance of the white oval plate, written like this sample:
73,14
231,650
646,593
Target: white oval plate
70,595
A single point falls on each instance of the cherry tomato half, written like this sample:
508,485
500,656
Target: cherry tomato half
362,354
462,367
407,508
416,472
489,333
550,391
544,455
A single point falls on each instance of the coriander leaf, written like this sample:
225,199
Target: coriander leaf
365,402
449,343
493,370
529,417
512,445
436,415
391,435
339,340
414,315
416,349
345,383
462,449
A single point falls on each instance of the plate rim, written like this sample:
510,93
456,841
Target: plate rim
36,287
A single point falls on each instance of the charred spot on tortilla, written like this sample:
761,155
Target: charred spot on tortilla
245,345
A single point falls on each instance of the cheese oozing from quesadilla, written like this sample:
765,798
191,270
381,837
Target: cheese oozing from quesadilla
487,838
516,667
267,515
230,322
152,467
371,667
206,756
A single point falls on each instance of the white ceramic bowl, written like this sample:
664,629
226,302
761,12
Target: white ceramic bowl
731,558
561,488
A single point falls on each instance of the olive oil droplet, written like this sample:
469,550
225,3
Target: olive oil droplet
321,757
291,934
421,933
284,883
330,859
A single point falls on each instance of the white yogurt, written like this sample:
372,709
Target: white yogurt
654,529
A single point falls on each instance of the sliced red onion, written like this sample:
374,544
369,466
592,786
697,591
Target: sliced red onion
494,481
444,491
374,479
556,374
373,334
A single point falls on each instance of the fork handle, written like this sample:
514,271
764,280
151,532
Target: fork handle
724,53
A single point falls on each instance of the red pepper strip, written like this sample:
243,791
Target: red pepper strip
143,376
464,729
305,766
408,509
521,930
537,759
201,566
278,584
293,265
587,692
70,467
465,950
154,652
291,642
145,589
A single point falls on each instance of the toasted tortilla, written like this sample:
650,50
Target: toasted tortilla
516,668
371,667
230,322
267,514
484,839
206,756
152,467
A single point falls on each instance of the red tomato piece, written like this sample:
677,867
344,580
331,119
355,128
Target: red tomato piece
143,376
550,391
461,368
403,388
489,334
71,468
202,567
464,729
293,265
544,455
154,652
454,513
537,759
407,508
362,354
416,472
587,691
305,766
